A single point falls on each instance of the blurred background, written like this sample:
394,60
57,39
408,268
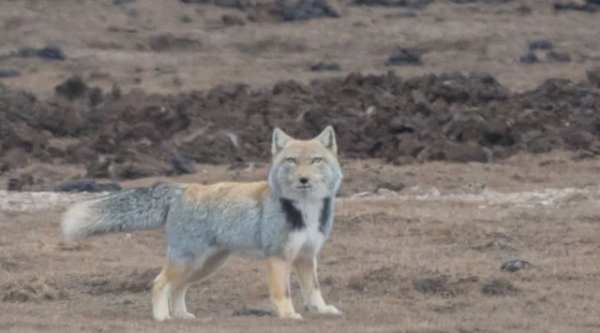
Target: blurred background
128,89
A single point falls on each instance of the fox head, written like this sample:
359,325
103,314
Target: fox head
305,169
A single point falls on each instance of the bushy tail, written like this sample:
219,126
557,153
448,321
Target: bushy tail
135,209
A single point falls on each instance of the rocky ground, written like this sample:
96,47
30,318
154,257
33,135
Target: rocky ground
468,132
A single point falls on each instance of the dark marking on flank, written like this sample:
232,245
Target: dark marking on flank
292,215
325,215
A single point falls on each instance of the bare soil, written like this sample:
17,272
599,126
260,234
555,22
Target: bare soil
427,259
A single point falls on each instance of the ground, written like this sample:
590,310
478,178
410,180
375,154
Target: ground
447,177
424,260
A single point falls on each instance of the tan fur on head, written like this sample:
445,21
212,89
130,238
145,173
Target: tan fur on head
279,141
326,138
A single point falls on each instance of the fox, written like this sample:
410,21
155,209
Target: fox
283,221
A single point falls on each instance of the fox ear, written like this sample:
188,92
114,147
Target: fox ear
280,140
327,139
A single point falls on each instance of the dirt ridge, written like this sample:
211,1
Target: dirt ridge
448,117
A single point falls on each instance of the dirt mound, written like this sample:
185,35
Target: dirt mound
277,11
450,117
135,282
499,287
382,281
34,290
444,286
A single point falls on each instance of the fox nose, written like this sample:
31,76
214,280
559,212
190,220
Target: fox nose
304,180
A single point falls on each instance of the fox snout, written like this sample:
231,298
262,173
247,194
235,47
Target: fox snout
303,182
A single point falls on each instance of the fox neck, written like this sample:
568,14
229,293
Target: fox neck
308,214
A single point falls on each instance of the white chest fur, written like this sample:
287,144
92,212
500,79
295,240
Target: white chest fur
307,242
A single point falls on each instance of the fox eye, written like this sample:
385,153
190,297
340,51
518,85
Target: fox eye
291,160
316,160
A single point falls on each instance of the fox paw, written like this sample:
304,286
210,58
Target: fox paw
328,310
184,315
162,317
294,315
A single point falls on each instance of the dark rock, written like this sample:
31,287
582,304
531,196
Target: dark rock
290,86
28,52
326,66
493,2
590,7
95,96
73,88
430,285
593,76
183,164
515,266
218,3
169,42
251,312
14,184
116,91
451,91
542,44
444,286
304,10
136,169
231,20
48,53
86,185
524,10
405,124
413,4
553,56
499,287
51,53
8,73
395,186
530,58
122,2
186,19
383,3
402,56
582,155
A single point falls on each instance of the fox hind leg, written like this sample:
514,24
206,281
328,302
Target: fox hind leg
197,271
160,295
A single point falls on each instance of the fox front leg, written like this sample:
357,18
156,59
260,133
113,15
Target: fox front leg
279,281
306,268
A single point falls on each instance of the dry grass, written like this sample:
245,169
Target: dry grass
410,264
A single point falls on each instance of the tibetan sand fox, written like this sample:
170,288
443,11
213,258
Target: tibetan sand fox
284,221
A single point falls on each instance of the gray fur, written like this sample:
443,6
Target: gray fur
250,228
135,209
